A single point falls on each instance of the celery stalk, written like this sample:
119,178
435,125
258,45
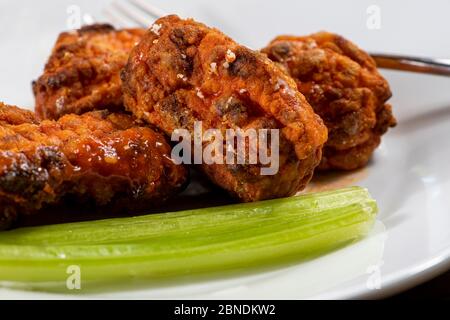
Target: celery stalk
190,242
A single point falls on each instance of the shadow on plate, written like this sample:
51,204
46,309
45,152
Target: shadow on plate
423,120
199,194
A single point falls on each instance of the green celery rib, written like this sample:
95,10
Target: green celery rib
156,225
188,242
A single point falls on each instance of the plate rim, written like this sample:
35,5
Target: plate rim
397,282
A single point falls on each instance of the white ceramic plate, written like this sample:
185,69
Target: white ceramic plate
409,175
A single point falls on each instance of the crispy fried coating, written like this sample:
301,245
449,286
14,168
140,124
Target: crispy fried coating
10,115
99,157
82,73
182,72
342,84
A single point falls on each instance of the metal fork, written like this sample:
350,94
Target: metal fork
142,13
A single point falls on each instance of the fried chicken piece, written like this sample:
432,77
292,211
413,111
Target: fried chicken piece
82,73
182,72
342,84
99,157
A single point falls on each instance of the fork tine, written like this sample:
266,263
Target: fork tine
115,18
132,14
148,8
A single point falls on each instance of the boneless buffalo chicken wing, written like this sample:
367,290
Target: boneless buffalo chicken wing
100,157
82,73
342,84
182,72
